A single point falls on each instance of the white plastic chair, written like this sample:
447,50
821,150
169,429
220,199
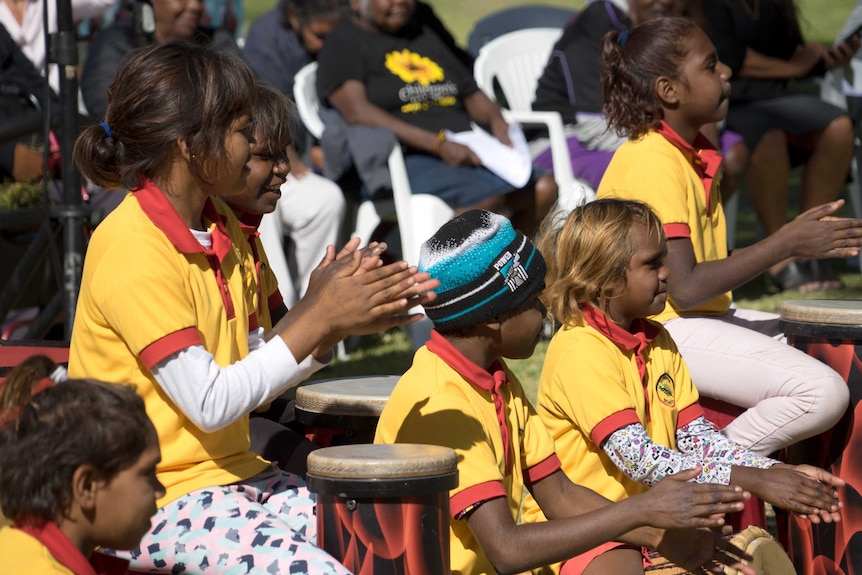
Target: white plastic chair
418,215
517,60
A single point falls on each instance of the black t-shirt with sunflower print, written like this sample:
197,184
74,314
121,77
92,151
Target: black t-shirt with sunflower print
412,75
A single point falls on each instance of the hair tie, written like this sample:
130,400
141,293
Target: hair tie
11,415
107,129
623,38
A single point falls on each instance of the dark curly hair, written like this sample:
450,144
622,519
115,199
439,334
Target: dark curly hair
49,435
161,94
653,49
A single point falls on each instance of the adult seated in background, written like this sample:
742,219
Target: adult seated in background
21,83
763,45
279,44
173,21
23,19
570,85
382,68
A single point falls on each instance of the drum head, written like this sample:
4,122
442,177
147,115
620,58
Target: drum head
769,557
360,396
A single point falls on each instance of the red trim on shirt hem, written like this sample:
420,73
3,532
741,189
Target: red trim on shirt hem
612,423
461,501
542,469
168,345
676,231
689,414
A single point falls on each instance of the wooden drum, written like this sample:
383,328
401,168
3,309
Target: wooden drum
830,330
384,509
343,411
768,556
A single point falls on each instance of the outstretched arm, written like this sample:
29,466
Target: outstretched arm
813,234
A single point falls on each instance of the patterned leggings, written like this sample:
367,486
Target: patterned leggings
264,525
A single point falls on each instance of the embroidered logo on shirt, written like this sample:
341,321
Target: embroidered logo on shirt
664,390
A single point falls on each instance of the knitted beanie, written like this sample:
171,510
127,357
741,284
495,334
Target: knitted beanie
485,267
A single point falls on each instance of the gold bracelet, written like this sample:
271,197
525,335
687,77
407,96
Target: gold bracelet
441,137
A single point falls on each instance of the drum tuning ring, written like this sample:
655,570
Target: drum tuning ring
351,504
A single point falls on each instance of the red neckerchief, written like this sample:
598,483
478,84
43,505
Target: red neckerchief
702,156
491,380
636,340
163,215
65,552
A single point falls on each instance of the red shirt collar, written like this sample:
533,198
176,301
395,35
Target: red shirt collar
64,551
156,206
491,380
703,157
636,340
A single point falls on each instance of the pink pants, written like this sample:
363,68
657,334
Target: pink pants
263,525
742,358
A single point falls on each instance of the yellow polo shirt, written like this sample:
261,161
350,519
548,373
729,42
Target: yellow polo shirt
149,289
680,183
598,378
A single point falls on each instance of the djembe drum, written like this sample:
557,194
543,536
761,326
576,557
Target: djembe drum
343,411
768,556
384,509
830,330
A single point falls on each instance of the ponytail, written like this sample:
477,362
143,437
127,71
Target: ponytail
632,62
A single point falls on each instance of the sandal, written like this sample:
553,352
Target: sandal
826,274
796,275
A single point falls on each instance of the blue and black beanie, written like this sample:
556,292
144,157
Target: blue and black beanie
486,268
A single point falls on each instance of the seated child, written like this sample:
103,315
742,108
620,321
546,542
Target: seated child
459,393
735,355
616,395
270,426
79,471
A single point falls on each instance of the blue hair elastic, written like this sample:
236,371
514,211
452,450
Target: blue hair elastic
107,129
623,38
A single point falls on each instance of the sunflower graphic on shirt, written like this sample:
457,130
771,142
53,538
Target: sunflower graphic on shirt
413,68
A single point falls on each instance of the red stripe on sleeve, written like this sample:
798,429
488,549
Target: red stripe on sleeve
612,423
462,501
542,469
677,231
170,344
689,414
253,322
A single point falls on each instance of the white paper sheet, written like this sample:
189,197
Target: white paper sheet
512,164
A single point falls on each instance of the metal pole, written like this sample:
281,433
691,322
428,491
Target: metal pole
64,52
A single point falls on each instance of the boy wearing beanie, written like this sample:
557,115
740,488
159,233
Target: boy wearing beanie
459,393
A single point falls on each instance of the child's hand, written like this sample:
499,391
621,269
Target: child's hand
817,234
353,303
804,490
700,550
370,254
673,503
